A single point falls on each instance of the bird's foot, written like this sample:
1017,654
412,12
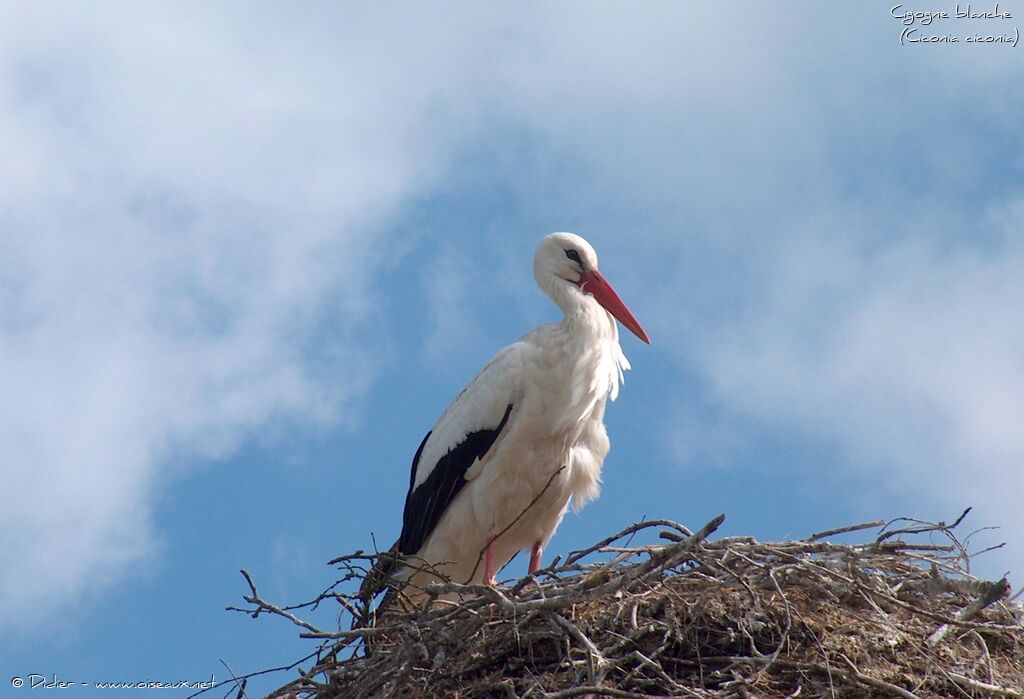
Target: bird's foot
535,555
489,562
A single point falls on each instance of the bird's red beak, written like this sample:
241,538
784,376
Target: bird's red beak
596,285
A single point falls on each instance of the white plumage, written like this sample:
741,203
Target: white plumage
526,437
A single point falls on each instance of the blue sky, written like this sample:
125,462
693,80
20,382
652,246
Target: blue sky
248,254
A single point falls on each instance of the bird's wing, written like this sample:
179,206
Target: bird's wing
461,438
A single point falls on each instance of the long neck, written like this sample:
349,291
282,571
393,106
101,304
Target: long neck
595,333
583,316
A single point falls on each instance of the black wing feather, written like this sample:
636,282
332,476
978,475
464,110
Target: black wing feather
425,505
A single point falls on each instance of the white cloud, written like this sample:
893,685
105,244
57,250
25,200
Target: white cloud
915,368
187,197
448,283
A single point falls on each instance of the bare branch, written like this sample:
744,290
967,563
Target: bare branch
684,616
846,530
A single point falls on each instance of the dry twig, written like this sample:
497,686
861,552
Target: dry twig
691,618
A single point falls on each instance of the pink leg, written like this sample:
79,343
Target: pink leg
535,554
489,563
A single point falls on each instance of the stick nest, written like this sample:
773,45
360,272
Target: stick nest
685,616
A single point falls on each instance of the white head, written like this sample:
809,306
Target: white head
565,267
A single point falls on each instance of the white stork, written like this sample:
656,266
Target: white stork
526,436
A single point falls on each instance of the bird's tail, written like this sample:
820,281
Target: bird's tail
379,579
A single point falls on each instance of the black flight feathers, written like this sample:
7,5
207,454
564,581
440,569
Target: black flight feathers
425,505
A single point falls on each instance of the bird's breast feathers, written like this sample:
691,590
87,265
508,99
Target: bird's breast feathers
557,386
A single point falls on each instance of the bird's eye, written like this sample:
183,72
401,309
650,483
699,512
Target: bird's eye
574,256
